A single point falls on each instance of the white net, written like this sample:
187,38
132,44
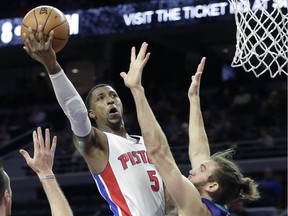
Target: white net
262,36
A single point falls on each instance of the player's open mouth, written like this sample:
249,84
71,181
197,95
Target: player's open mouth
113,111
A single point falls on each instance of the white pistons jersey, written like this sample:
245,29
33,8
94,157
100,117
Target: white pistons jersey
129,183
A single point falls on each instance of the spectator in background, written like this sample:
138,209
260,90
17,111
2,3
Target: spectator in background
223,127
18,122
65,146
64,151
38,116
224,98
241,100
183,134
273,99
4,135
171,128
270,189
265,138
237,208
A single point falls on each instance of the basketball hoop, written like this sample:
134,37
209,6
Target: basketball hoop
262,36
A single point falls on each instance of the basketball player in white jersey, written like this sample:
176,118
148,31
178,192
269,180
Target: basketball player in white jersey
118,162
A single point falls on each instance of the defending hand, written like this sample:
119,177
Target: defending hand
43,159
132,79
195,84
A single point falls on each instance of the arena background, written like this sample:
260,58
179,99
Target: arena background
239,110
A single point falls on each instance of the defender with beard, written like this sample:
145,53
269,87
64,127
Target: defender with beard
215,180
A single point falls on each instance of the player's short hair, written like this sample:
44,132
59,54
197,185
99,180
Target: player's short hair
89,95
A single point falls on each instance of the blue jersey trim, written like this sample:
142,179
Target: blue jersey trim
104,193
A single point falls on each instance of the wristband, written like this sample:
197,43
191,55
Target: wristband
49,176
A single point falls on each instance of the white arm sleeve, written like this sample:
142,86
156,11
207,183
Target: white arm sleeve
71,103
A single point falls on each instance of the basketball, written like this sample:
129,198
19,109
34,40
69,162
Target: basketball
50,18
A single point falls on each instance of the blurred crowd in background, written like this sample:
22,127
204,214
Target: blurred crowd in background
230,114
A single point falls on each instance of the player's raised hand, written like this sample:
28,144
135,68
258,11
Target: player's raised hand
40,49
196,79
43,159
132,79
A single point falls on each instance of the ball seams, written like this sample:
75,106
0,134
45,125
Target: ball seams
50,18
46,35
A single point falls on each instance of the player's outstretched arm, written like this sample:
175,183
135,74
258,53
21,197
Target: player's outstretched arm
66,94
180,188
150,129
199,150
42,164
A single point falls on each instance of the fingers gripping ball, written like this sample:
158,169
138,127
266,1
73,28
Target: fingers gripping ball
50,18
